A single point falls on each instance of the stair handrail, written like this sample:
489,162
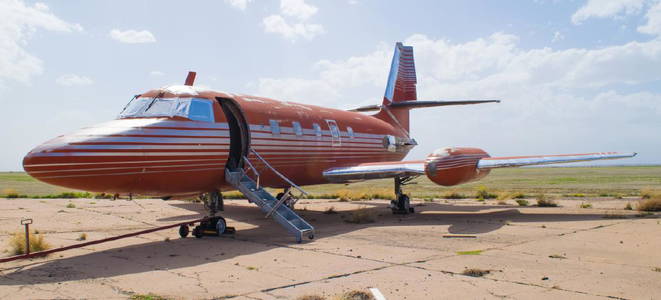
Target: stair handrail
254,170
278,173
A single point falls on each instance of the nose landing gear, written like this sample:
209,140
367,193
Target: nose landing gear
213,225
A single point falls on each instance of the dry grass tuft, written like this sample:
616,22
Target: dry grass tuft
361,216
609,215
149,296
82,237
522,202
330,211
475,272
482,193
502,202
628,207
311,297
656,269
649,193
543,201
585,205
650,204
355,295
453,195
71,205
37,243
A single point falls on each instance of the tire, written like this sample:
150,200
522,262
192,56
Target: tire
221,226
197,232
184,231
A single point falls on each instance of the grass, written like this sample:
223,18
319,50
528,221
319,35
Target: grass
522,202
475,272
585,205
544,201
653,204
37,243
149,296
71,205
355,295
628,207
656,269
361,216
484,193
82,236
472,252
625,181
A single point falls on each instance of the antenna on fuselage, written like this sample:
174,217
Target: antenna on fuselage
190,79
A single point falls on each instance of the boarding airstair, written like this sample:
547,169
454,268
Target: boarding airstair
272,206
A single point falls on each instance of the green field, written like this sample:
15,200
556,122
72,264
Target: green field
590,181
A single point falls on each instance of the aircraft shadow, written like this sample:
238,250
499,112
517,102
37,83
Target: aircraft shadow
179,253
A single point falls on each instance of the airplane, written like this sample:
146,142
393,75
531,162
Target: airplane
183,140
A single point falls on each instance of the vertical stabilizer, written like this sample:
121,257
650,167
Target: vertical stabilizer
400,87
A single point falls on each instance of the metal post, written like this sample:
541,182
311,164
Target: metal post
27,223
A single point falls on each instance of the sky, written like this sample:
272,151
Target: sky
573,76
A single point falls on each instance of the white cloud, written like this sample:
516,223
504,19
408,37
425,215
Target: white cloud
240,4
653,16
297,8
73,80
606,8
277,24
17,23
557,36
564,97
132,36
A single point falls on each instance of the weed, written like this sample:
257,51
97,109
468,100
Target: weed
576,195
251,268
475,272
453,195
557,256
483,193
472,252
361,216
149,296
650,204
82,237
37,243
656,269
585,205
502,202
355,295
330,211
543,201
628,207
648,193
71,205
428,199
522,202
311,297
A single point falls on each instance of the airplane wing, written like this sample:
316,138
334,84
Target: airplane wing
380,170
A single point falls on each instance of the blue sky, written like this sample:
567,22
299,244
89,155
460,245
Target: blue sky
574,76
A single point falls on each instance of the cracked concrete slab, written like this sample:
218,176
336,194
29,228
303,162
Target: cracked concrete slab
406,257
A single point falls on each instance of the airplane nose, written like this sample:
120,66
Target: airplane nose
43,162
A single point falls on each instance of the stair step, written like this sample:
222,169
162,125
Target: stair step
282,214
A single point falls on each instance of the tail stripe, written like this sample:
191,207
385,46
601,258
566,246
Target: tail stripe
402,77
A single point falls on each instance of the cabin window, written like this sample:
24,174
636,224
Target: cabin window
275,127
317,129
350,132
297,128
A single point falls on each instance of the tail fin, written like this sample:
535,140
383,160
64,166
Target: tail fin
400,87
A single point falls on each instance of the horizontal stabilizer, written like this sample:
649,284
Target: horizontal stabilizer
411,104
519,161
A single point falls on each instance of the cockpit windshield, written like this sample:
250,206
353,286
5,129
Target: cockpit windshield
191,108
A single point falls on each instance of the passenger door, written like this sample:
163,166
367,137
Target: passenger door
336,139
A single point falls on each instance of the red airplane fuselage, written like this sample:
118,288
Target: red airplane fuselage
176,155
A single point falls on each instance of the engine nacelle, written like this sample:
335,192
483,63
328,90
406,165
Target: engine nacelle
455,165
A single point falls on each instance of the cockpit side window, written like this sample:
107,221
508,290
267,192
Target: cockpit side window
200,110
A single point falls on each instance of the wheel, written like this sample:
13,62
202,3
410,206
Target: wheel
197,232
183,231
221,226
311,236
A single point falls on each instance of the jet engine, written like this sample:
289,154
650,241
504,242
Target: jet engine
455,165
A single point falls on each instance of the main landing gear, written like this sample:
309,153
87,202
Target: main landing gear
402,205
213,225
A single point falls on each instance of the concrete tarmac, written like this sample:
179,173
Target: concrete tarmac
563,252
